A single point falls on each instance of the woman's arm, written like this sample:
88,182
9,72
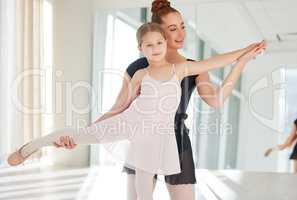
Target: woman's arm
215,96
288,143
290,140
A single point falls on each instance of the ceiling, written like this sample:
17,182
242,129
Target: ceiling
230,24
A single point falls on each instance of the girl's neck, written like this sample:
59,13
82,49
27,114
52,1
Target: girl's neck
173,56
160,63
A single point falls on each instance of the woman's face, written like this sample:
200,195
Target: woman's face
153,46
174,28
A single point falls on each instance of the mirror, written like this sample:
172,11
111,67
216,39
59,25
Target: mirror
259,112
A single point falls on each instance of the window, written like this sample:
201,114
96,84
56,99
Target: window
115,29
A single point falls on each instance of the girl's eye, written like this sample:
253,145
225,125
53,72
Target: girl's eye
160,43
149,45
183,27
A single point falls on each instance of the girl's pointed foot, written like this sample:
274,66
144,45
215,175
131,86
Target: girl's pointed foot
16,158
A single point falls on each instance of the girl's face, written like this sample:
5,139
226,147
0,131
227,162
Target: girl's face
174,28
153,46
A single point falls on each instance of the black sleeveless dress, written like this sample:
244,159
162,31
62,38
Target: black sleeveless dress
294,152
188,84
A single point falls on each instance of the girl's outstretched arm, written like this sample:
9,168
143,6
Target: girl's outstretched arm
129,92
230,57
190,68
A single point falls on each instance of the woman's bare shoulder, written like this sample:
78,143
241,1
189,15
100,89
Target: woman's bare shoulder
180,67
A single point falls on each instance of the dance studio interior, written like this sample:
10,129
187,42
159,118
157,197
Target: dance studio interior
63,63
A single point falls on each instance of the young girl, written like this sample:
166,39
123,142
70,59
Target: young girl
147,120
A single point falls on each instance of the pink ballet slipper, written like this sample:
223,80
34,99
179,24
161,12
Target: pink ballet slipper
16,158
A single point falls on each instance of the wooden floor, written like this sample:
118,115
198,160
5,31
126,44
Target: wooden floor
235,184
32,182
48,183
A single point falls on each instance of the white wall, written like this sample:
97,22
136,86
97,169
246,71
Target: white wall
72,54
254,136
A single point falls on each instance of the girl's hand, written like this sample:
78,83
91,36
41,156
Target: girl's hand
255,50
65,142
251,46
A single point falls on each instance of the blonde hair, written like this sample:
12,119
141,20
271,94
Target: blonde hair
146,28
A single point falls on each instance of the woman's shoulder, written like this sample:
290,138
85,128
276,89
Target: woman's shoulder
182,66
185,63
138,64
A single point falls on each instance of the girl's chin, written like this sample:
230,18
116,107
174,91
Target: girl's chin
156,59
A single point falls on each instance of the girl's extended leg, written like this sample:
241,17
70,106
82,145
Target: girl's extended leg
144,185
181,192
109,130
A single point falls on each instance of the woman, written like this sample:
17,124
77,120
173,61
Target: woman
180,186
287,144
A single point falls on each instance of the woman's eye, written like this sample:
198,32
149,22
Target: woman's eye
183,27
160,43
173,29
149,45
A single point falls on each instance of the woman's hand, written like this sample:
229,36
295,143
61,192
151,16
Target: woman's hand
276,148
268,152
255,50
65,142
